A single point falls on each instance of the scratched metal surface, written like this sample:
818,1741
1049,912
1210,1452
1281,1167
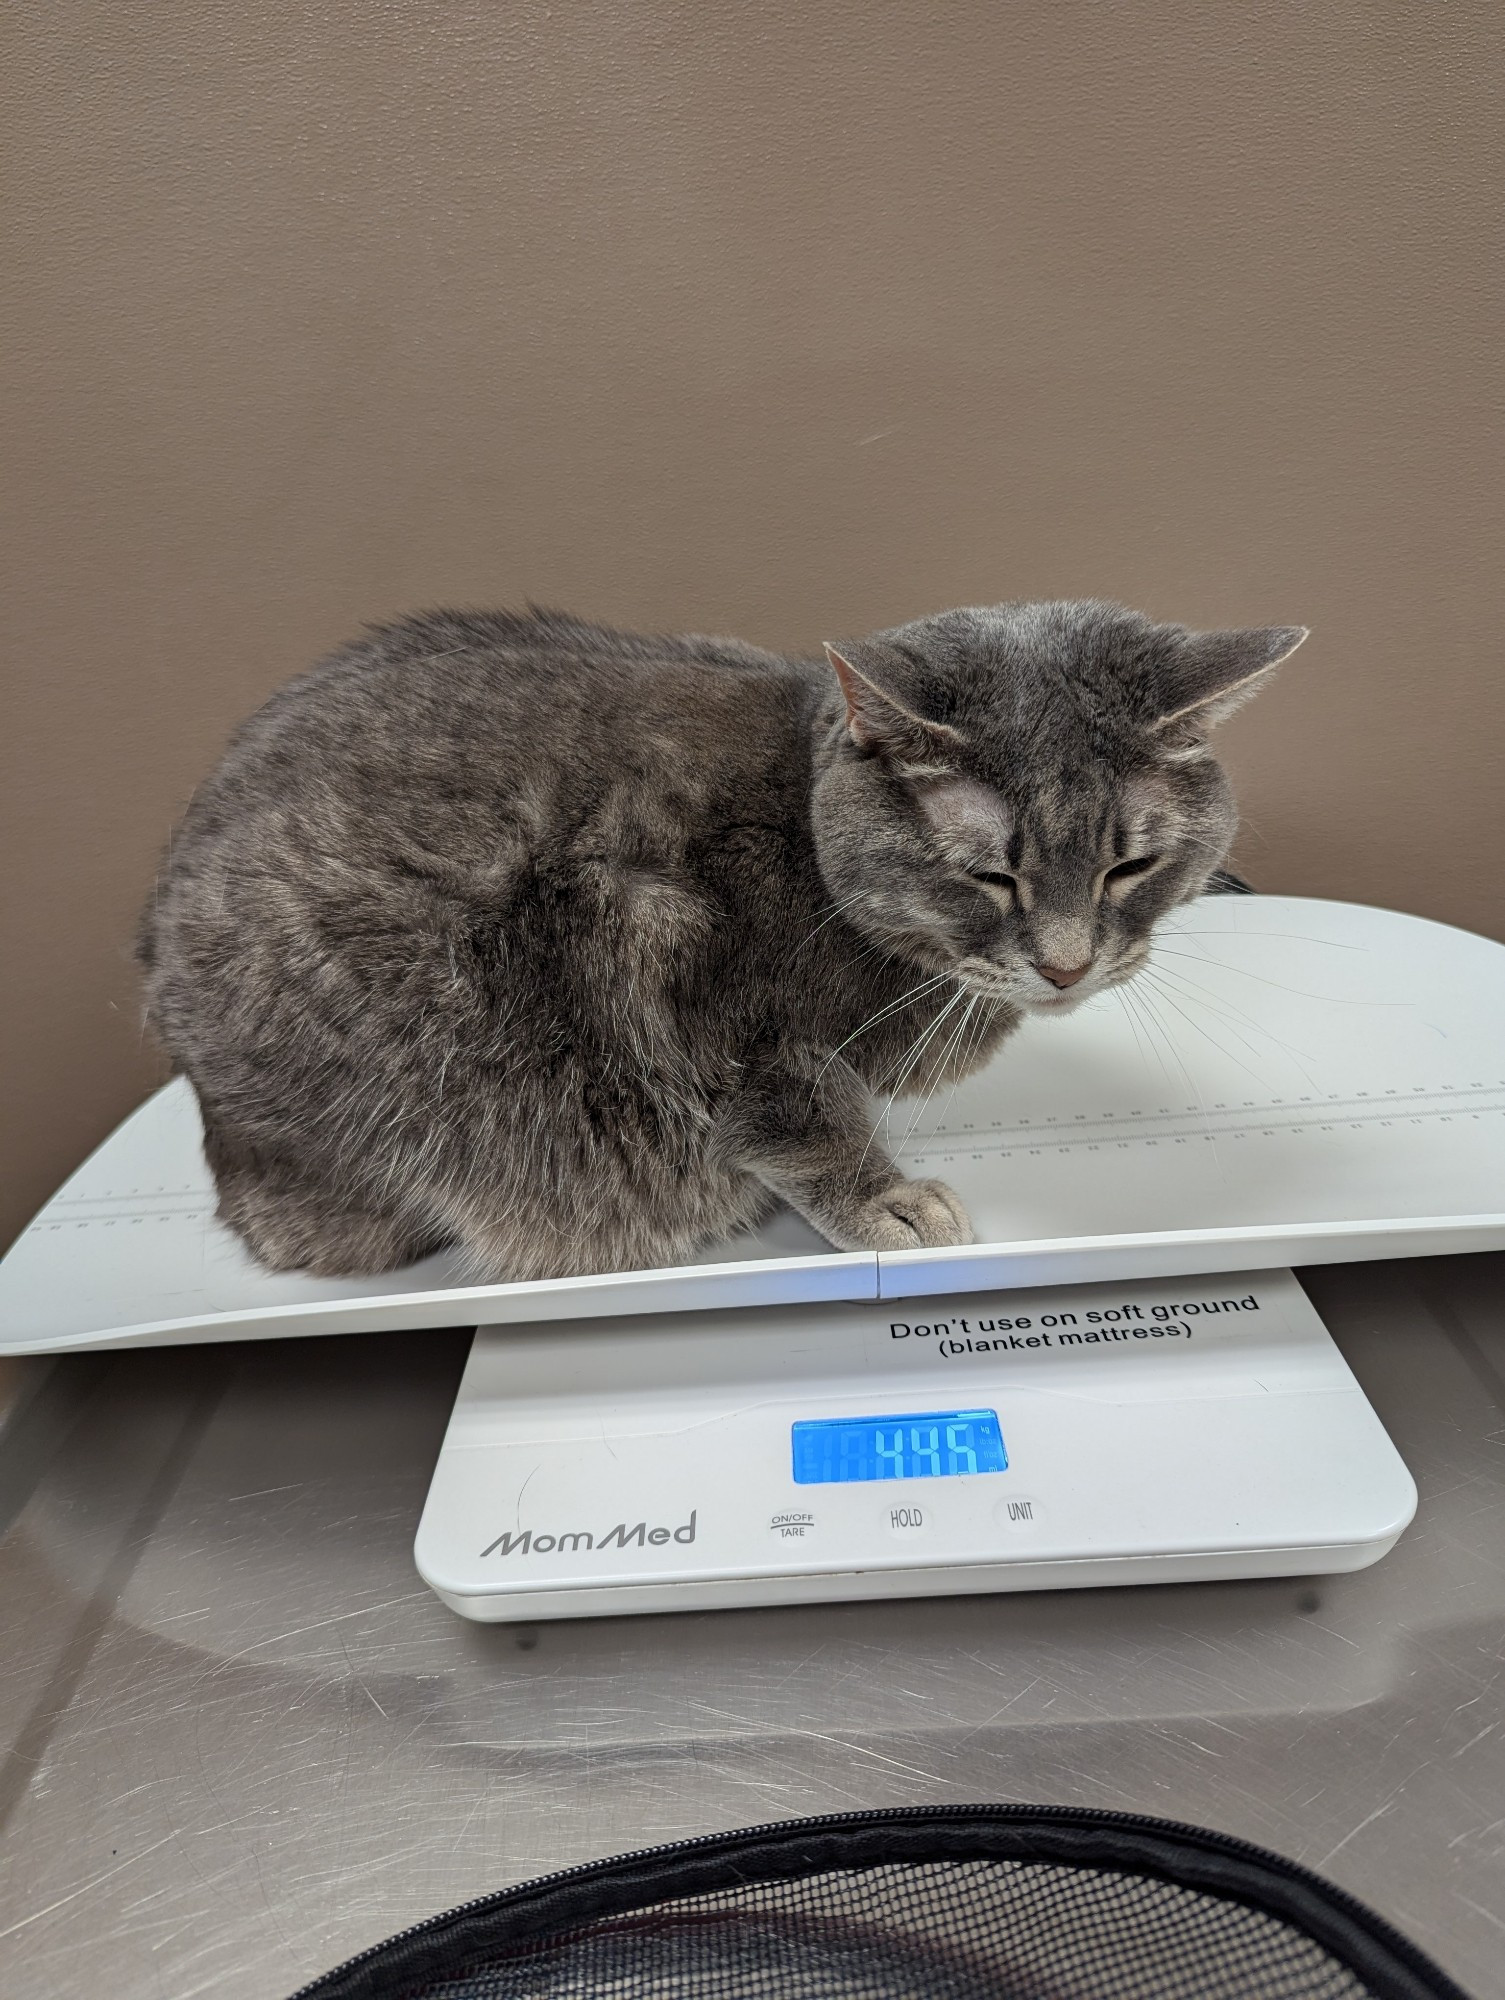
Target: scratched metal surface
240,1740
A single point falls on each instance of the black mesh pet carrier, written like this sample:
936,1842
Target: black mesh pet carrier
944,1903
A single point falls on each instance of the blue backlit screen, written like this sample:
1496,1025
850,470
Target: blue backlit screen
931,1444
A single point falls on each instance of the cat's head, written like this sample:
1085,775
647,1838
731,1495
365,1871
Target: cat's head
1016,794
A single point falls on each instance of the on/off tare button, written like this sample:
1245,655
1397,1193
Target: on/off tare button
906,1518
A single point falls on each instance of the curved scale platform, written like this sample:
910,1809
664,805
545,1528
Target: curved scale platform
1291,1081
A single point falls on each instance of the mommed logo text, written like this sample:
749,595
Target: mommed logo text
619,1537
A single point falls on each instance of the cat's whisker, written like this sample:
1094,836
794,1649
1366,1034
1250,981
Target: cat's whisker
1195,1000
1190,990
1206,958
1227,1054
965,1057
1220,1004
873,949
1300,937
938,1072
834,911
1218,847
947,1057
1209,995
1142,1013
909,1061
1123,999
893,1006
1152,1013
1154,1026
985,1020
1162,979
906,1063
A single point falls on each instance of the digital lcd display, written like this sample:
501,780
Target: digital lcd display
931,1444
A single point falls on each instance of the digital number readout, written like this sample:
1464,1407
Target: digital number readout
932,1444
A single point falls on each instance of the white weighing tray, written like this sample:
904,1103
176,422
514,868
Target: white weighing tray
1018,1440
1294,1082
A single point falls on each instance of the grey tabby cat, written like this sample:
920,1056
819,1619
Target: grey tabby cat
579,949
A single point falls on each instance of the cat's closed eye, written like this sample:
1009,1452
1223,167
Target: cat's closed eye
1126,871
994,877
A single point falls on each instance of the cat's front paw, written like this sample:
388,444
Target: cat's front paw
914,1215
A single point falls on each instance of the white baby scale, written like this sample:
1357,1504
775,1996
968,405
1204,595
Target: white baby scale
1294,1081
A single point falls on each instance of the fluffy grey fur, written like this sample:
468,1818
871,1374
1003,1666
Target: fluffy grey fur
579,948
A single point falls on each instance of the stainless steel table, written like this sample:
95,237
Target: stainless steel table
241,1740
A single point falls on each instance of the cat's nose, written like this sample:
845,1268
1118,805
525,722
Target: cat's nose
1065,975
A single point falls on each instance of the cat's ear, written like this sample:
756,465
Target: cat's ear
882,722
1207,675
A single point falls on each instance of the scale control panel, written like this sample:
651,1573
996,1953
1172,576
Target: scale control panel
1025,1439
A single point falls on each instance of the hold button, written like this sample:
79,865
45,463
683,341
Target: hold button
906,1519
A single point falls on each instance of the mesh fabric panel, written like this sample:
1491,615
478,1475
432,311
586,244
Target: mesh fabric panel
972,1930
950,1902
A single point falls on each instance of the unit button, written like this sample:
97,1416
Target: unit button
1018,1513
906,1518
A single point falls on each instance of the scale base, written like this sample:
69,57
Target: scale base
964,1580
1154,1432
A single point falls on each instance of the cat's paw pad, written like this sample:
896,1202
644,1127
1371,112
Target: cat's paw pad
915,1215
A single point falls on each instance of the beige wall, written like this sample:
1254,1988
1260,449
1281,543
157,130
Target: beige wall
770,318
